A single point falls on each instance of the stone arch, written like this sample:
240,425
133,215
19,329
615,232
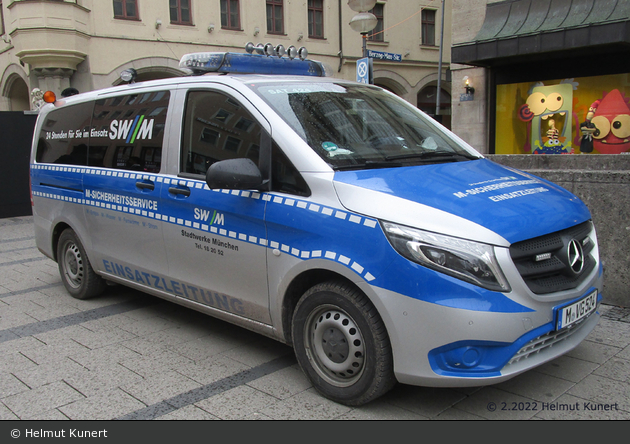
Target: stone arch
393,82
426,98
148,68
14,89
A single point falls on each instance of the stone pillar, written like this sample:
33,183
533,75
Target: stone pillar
51,79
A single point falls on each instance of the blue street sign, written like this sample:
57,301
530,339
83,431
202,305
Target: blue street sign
388,56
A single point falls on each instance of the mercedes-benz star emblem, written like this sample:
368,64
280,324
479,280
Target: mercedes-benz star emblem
576,256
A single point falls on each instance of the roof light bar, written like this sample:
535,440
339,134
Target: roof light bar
260,59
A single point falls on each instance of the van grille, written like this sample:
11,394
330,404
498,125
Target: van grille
545,342
545,262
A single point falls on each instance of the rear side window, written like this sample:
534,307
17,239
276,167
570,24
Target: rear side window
128,131
125,132
65,134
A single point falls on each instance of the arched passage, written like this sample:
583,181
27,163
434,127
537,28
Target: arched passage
15,93
427,102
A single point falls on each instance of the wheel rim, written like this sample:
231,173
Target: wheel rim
334,346
73,265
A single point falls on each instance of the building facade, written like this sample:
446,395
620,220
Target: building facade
549,76
85,44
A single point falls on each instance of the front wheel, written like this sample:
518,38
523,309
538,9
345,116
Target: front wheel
342,345
75,269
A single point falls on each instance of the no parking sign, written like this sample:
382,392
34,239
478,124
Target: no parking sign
364,70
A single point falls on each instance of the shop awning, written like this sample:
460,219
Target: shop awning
526,31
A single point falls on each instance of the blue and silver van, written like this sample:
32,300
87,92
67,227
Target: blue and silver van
330,215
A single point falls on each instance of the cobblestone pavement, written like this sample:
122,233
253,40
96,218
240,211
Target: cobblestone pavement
127,355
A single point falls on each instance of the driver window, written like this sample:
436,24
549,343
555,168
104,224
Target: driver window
216,127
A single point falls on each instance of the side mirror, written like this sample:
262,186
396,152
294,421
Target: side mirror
234,174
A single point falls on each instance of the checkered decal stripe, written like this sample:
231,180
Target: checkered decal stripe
198,185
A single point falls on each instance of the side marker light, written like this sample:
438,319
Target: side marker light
50,97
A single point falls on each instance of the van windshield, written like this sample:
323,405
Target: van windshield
354,126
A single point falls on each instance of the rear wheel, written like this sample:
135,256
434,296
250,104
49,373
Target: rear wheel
75,269
341,344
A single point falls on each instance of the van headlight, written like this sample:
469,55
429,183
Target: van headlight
470,261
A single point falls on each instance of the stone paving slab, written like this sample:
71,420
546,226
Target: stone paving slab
130,356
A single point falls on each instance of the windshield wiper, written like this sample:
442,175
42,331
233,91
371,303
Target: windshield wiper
369,164
381,164
432,155
428,156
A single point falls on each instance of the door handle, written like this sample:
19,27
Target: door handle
145,185
179,191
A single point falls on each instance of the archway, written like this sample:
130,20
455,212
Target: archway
427,100
15,93
393,82
19,97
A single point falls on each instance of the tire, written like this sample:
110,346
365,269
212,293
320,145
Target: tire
75,269
341,344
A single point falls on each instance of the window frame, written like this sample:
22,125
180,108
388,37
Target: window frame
228,15
124,16
312,11
427,26
178,7
1,19
380,37
274,4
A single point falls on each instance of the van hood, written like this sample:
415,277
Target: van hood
478,200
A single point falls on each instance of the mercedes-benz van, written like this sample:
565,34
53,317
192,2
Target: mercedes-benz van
327,214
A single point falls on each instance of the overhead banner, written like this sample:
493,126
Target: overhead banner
584,115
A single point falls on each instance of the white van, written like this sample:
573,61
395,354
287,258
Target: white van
327,214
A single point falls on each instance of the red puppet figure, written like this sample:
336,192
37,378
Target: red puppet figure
612,119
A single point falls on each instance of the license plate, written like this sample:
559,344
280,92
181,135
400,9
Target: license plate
577,311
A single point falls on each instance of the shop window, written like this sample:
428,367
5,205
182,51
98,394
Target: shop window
180,12
126,9
578,115
275,16
428,27
230,15
316,18
377,34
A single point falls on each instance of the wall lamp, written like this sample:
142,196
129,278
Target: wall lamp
211,27
469,89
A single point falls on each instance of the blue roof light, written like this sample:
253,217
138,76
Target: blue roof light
230,62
